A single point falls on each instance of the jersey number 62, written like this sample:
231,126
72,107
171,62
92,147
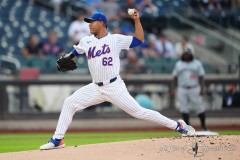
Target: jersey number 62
107,61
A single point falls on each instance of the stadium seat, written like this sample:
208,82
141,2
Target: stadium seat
36,62
23,61
51,64
82,64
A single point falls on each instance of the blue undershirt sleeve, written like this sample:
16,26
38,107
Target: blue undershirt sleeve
75,53
135,42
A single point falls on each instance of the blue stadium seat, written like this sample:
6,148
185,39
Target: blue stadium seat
36,62
82,64
51,64
23,61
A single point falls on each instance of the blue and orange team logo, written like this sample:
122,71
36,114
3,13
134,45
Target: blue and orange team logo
92,53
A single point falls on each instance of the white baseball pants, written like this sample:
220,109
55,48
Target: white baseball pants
115,93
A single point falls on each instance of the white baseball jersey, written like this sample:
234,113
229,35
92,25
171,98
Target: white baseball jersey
103,54
188,73
104,65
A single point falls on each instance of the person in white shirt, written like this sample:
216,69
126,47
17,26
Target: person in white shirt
78,29
164,47
183,46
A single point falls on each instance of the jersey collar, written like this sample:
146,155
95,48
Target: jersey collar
102,37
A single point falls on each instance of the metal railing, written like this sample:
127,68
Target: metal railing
207,31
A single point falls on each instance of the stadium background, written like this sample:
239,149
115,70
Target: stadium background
32,89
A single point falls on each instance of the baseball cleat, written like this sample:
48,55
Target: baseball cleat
185,129
53,144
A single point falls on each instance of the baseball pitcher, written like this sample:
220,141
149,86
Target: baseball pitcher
102,50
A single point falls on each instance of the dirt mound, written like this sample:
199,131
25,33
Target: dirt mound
180,148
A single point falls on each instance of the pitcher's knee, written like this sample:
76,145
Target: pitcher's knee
70,103
67,102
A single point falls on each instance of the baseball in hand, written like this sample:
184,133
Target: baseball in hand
130,11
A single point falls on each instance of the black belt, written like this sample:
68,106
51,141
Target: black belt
111,80
189,87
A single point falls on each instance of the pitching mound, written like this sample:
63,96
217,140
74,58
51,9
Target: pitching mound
180,148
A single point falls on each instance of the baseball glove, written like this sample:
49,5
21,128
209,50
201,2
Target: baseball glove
65,63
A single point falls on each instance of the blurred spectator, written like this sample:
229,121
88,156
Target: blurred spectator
116,30
232,97
51,46
225,14
111,9
133,64
210,6
57,5
195,4
125,6
237,5
218,11
94,5
146,6
183,46
236,13
165,47
125,30
212,9
150,50
78,29
226,5
32,46
25,52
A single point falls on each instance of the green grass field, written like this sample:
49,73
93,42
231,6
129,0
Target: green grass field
32,141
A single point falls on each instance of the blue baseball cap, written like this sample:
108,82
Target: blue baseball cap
97,16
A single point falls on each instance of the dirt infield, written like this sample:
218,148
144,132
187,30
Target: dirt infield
180,148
